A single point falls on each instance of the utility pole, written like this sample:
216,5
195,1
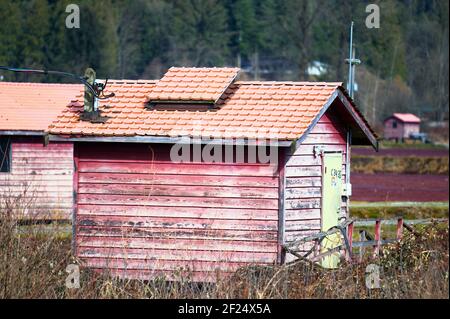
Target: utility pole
256,65
352,62
239,58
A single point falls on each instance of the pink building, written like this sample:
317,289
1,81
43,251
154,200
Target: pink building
400,126
138,213
36,176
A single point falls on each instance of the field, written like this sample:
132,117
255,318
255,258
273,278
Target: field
400,187
416,173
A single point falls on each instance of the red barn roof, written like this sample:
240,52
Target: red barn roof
33,106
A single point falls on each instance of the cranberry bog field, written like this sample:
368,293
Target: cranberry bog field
417,173
400,187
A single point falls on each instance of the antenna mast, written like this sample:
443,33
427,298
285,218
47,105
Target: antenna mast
352,62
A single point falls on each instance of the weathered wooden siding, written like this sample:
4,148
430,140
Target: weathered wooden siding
40,181
409,128
140,215
303,190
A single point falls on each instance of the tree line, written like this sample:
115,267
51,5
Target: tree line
405,61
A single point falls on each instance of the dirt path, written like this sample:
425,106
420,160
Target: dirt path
400,187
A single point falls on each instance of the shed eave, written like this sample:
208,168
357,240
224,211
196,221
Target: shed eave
339,95
164,140
371,138
22,133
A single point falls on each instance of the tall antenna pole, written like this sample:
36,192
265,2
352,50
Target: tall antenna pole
350,65
352,61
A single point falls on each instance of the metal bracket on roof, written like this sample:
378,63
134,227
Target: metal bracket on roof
93,117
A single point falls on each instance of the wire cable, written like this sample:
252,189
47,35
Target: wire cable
96,89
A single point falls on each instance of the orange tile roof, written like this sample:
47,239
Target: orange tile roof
281,110
33,106
193,84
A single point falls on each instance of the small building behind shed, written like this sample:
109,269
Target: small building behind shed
400,126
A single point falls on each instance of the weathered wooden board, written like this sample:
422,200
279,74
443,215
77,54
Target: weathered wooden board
177,169
161,255
175,222
102,240
185,212
178,190
175,201
184,180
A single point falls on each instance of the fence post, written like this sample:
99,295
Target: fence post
362,238
376,251
350,241
400,228
316,247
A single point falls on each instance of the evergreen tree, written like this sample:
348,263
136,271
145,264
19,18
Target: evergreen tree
200,35
10,28
36,27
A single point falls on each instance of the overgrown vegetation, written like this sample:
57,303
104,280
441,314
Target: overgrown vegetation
407,211
400,165
33,264
407,144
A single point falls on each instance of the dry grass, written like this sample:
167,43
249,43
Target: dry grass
400,165
33,266
33,261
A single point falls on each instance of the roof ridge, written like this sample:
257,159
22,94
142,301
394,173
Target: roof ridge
405,113
37,84
204,67
127,81
298,83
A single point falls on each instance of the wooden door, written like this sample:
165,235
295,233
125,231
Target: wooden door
331,204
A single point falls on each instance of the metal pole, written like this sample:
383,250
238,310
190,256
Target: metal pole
353,71
350,64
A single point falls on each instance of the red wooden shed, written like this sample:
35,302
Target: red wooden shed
399,126
158,191
35,176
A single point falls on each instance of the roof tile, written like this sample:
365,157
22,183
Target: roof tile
33,106
193,84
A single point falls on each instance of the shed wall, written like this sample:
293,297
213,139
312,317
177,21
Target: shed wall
42,177
393,133
303,192
141,215
409,128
